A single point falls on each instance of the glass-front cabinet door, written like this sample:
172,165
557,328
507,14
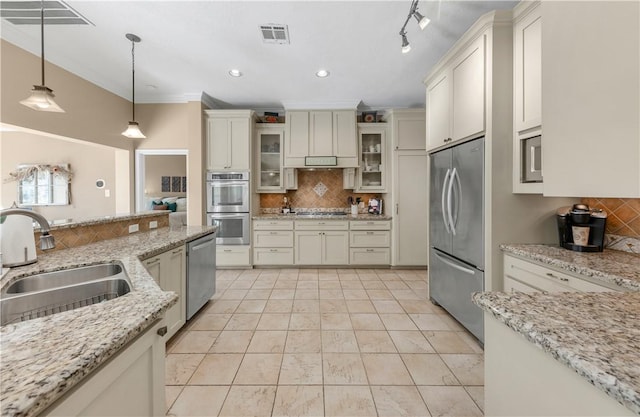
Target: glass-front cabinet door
372,148
269,147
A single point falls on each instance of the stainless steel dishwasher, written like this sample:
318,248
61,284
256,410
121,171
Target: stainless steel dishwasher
201,272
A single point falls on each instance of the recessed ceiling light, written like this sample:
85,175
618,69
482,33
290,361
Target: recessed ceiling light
322,73
235,73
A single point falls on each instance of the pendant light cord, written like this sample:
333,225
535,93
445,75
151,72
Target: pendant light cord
133,80
42,39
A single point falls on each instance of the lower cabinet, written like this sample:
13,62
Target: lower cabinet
369,243
273,242
321,242
129,384
526,276
169,269
233,256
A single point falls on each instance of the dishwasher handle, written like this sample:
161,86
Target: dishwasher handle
204,244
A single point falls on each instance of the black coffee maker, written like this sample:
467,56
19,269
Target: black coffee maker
581,228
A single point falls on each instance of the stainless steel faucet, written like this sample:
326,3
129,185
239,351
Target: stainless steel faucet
46,240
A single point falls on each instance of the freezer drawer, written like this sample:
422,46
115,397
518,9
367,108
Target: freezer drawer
451,284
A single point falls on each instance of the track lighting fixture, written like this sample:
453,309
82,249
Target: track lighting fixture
422,22
41,97
133,130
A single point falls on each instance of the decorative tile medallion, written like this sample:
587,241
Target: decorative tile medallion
320,189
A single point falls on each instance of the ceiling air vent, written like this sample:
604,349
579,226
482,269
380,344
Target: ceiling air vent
56,12
273,33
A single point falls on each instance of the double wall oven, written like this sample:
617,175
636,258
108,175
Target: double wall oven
228,206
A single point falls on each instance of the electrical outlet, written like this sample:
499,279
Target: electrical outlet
361,205
107,193
133,228
153,224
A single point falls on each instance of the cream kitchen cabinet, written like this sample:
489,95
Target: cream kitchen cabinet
273,242
527,276
269,161
233,256
321,242
407,202
456,97
169,270
372,144
321,133
527,89
130,384
590,100
229,134
369,242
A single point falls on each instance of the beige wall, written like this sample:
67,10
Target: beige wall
88,162
157,166
92,113
166,126
95,115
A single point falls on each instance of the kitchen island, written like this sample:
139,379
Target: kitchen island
44,358
565,353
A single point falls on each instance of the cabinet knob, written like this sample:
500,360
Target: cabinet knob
369,233
162,331
563,279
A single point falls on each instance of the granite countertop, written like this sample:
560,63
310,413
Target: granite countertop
595,334
45,357
294,216
611,266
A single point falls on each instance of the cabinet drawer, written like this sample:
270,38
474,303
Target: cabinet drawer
272,225
272,239
547,279
369,256
321,225
369,239
370,225
511,285
232,256
273,256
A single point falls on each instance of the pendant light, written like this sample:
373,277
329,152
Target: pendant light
41,97
133,130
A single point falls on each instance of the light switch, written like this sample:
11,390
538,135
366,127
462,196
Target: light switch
107,193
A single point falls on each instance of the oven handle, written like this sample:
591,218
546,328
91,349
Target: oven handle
228,183
216,216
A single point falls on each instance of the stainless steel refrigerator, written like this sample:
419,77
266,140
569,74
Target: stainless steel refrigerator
456,231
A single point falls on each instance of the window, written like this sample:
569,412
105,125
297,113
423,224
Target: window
43,185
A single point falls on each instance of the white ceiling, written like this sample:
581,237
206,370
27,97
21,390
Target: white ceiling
188,47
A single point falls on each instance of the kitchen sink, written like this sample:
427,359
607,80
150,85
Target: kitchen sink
54,292
65,277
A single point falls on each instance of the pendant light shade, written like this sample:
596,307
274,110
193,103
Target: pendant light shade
41,97
133,130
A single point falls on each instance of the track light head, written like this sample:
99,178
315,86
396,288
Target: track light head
423,21
406,47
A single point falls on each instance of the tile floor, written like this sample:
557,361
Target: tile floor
323,342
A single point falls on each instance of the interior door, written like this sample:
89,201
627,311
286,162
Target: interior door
467,212
440,173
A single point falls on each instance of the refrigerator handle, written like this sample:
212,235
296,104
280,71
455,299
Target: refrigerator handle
444,189
452,265
450,202
458,198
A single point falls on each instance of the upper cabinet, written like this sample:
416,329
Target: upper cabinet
321,133
407,129
373,150
229,139
269,145
590,100
527,98
456,97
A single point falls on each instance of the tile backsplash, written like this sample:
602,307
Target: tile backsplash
310,192
623,214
